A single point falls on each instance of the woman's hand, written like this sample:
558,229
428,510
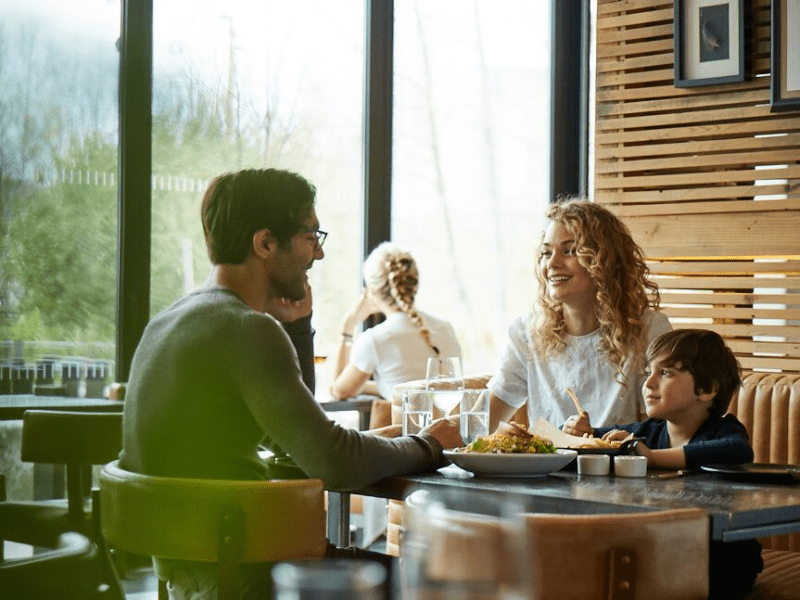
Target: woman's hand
362,309
578,425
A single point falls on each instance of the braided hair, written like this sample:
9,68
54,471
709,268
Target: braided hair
392,273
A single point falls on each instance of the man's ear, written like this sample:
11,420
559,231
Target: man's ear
261,243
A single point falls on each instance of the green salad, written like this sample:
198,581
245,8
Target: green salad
507,444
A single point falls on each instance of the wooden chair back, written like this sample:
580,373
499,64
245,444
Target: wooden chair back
661,554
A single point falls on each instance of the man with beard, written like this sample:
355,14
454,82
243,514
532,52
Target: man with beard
216,372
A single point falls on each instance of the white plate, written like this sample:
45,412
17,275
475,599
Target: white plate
511,465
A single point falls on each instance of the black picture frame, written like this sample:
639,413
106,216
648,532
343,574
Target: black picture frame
709,42
785,56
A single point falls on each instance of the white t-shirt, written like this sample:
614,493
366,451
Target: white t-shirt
583,366
395,352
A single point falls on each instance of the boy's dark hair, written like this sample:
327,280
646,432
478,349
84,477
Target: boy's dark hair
705,355
236,205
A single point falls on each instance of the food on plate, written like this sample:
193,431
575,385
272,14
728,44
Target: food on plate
511,438
601,443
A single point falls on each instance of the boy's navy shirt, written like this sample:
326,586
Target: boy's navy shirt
719,440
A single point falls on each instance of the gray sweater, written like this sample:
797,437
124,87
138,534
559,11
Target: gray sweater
212,377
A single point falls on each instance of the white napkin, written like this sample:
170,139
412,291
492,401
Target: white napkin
545,429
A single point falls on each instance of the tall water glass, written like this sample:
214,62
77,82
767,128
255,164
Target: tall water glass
443,374
474,414
417,410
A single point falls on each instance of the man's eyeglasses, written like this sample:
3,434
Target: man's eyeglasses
321,235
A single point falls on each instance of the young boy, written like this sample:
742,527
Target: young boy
691,378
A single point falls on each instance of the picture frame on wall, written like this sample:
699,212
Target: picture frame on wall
709,40
785,55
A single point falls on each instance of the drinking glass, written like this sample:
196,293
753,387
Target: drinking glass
474,414
329,580
459,546
445,377
417,410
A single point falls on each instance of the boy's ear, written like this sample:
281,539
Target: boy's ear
708,396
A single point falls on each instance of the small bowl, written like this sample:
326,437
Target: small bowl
594,464
630,466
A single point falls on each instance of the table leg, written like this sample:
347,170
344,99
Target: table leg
339,519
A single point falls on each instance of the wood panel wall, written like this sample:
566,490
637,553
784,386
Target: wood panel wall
708,180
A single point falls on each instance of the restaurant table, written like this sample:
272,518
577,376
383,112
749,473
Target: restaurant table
13,406
738,510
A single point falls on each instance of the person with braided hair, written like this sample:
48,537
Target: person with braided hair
398,349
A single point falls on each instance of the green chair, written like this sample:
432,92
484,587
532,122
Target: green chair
77,440
210,520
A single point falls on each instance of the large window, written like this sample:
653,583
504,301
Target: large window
240,84
471,150
58,194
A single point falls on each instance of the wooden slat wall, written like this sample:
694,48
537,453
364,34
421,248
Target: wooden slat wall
708,180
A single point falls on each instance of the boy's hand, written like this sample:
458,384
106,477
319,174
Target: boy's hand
642,450
578,425
615,435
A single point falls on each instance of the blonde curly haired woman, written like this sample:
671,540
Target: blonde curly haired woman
595,315
396,350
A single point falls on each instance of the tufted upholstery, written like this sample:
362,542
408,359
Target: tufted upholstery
769,407
780,579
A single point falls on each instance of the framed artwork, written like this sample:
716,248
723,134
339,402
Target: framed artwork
709,42
785,55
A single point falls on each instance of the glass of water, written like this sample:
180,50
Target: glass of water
329,580
417,410
474,414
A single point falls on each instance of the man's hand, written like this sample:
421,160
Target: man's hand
578,425
287,311
446,431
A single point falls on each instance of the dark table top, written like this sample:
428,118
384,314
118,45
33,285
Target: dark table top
738,510
13,406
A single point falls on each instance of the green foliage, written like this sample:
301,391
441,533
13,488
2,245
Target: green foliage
63,255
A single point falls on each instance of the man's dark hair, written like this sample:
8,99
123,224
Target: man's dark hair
236,205
704,354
